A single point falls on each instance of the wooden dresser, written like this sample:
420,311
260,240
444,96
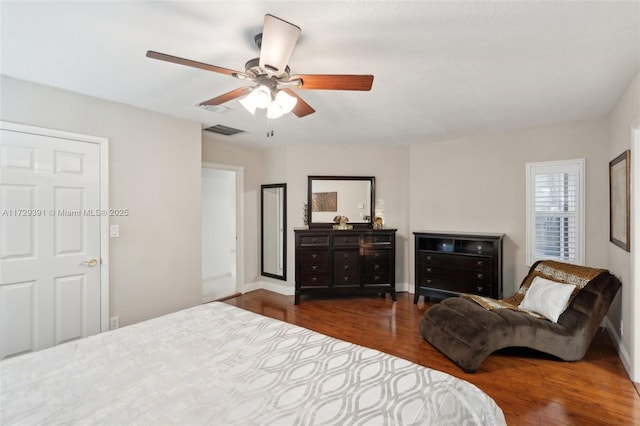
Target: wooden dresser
341,262
447,264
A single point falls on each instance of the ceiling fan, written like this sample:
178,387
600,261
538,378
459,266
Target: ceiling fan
271,75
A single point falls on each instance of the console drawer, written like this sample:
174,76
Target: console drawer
478,263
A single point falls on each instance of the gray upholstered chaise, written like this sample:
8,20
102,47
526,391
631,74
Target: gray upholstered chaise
466,332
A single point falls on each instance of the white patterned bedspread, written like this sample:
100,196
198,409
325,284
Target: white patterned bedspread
216,364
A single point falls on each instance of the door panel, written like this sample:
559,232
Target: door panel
19,232
69,303
17,318
49,196
69,235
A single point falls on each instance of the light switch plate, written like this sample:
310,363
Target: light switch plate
114,231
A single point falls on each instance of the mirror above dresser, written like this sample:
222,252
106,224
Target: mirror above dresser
352,197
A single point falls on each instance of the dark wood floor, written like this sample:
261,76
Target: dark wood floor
531,389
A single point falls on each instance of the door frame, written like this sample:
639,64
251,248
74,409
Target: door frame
635,253
239,171
103,144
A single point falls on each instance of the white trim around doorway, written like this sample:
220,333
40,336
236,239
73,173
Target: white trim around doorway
239,170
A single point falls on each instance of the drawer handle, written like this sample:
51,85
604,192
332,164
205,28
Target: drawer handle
480,262
345,279
377,240
428,281
313,240
376,266
314,279
376,255
314,255
428,257
479,276
429,270
346,256
346,267
376,278
314,267
480,289
346,240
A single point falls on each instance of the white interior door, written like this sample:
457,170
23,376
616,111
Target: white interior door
50,220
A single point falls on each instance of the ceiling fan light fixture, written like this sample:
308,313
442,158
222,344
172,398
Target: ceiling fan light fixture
248,103
274,111
260,97
285,101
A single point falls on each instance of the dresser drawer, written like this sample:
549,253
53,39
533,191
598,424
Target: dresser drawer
456,274
377,277
314,240
315,268
314,256
378,239
476,263
457,286
346,240
314,280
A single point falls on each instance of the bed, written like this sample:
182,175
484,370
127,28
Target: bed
217,364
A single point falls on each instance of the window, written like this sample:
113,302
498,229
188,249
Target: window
555,211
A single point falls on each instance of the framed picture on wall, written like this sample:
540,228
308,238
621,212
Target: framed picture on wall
619,200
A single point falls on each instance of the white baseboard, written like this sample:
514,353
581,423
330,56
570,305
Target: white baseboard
268,285
623,354
287,290
404,287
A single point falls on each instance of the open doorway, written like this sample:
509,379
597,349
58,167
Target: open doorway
221,195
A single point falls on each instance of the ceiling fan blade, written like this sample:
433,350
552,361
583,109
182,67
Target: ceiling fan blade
334,81
279,37
190,63
302,108
229,96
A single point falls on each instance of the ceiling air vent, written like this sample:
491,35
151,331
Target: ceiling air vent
223,130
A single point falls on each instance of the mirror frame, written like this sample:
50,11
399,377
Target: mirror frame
360,225
284,232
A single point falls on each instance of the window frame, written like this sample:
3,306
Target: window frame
576,166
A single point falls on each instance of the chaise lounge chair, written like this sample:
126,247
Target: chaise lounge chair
469,328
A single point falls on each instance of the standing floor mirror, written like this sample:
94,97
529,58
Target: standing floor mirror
273,215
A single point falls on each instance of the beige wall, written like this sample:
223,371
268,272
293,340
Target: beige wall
154,171
386,163
291,165
625,115
477,184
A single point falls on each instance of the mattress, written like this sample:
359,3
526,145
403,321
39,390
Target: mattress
217,364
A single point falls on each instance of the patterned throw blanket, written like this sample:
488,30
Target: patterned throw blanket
556,271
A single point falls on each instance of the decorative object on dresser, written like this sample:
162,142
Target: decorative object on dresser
339,262
448,264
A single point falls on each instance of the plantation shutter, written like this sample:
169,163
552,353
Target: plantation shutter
555,211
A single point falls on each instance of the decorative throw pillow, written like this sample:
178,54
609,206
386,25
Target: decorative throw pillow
547,298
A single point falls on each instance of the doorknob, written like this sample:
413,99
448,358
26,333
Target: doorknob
91,262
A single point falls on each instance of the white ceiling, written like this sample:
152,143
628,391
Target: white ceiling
442,69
